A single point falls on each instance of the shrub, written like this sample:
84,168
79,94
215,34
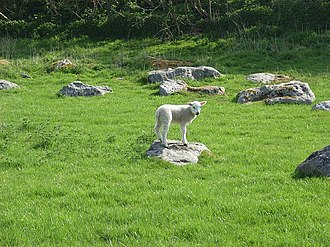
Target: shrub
46,30
14,28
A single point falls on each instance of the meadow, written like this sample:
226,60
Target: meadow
74,171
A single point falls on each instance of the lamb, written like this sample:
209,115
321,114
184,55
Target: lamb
181,114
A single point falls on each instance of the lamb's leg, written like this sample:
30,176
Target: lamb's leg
164,136
184,133
157,128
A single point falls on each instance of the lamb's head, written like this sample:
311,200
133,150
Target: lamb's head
196,107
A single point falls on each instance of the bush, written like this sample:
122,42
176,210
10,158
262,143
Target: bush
15,28
46,30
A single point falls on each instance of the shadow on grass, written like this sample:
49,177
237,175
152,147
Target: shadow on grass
298,176
142,81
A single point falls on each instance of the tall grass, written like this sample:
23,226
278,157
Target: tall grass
74,172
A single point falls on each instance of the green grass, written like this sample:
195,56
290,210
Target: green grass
74,172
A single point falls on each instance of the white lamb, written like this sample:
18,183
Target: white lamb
181,114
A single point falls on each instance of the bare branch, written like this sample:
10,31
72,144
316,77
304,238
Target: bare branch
4,16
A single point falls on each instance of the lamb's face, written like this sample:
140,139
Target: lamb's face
196,107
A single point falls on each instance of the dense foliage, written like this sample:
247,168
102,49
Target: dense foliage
162,18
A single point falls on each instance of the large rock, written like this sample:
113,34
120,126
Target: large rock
267,78
290,92
195,73
207,90
325,106
4,85
317,164
169,83
78,88
171,86
177,153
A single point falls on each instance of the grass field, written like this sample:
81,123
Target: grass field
74,172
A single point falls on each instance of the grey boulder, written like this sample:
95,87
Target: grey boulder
78,88
169,87
325,106
169,82
177,153
194,73
317,164
4,85
290,92
207,90
267,78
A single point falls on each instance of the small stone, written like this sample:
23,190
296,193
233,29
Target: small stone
62,64
4,62
325,106
4,85
23,75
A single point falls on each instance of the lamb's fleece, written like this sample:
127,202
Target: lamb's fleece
181,114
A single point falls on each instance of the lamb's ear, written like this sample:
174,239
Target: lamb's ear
190,103
203,103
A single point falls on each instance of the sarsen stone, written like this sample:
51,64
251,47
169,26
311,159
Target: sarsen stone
267,78
4,85
290,92
176,152
78,88
317,164
195,73
325,106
